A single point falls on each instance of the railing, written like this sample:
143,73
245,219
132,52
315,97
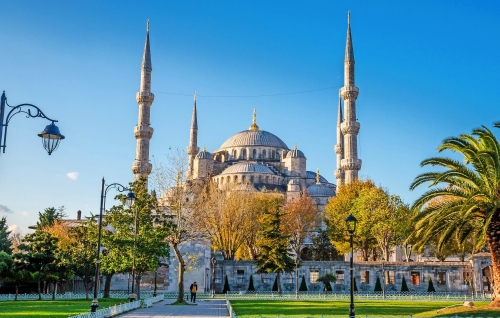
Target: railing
110,311
148,302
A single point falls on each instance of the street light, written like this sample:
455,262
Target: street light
351,228
130,198
51,136
383,278
132,295
214,262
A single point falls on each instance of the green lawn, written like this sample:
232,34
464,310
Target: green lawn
51,308
270,308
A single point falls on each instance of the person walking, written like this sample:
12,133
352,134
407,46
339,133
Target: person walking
193,288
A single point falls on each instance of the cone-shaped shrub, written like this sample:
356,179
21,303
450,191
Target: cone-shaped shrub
378,286
226,286
431,289
303,285
328,286
404,286
250,285
355,286
275,285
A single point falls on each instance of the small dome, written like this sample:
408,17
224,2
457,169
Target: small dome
312,175
320,190
204,155
295,153
247,167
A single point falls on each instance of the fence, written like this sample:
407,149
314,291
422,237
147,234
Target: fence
119,309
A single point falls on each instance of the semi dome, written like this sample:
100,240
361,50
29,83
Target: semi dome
312,175
295,153
247,167
253,138
320,190
204,155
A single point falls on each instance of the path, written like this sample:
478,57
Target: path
204,309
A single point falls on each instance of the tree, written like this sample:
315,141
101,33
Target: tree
473,187
322,249
274,255
378,285
355,287
15,240
49,216
303,285
250,284
135,221
326,280
5,243
430,288
6,264
404,286
19,272
275,285
226,286
300,218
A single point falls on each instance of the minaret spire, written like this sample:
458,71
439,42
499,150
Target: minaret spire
339,147
350,163
193,149
143,131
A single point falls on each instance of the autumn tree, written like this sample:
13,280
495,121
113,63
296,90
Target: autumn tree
5,243
274,256
322,249
300,219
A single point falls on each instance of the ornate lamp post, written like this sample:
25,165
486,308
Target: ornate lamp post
351,228
130,199
50,135
132,295
214,262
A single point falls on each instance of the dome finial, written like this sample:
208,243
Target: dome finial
317,177
254,122
204,148
147,26
195,95
349,17
295,146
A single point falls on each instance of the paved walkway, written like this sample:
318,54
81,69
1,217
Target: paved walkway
205,308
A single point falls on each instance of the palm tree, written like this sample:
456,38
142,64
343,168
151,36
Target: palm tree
464,199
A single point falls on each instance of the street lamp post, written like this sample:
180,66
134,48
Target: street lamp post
50,135
473,282
296,277
132,295
130,198
214,262
351,228
384,278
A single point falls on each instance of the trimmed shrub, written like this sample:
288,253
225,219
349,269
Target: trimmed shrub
250,285
355,286
275,285
378,286
431,288
404,286
303,285
328,287
226,286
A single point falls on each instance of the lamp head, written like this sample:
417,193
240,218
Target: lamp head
130,199
351,223
51,136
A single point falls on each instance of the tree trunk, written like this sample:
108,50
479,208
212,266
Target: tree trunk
86,286
493,236
278,282
180,278
138,286
39,289
107,285
17,291
54,291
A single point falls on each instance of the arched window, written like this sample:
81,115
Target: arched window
243,179
244,154
235,179
260,179
254,154
228,179
267,179
274,179
234,154
273,154
251,179
264,153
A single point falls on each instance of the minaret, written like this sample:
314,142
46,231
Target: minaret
193,149
351,164
143,132
339,147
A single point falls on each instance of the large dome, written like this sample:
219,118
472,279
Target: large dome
253,138
246,167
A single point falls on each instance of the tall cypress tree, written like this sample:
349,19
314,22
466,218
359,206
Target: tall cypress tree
275,285
273,244
303,285
5,243
355,286
250,285
404,286
378,285
226,286
431,288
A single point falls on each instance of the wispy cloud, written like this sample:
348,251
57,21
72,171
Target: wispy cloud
15,229
24,213
72,175
4,209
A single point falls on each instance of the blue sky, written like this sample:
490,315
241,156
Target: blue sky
426,70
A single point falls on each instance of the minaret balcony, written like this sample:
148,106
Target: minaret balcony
144,97
143,132
339,174
193,150
351,164
349,92
142,168
350,127
338,149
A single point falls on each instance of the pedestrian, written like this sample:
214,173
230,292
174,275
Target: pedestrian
193,288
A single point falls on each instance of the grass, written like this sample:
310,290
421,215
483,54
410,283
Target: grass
270,308
51,308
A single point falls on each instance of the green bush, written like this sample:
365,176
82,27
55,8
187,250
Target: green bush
378,285
431,288
328,287
250,285
226,286
355,286
303,285
404,286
